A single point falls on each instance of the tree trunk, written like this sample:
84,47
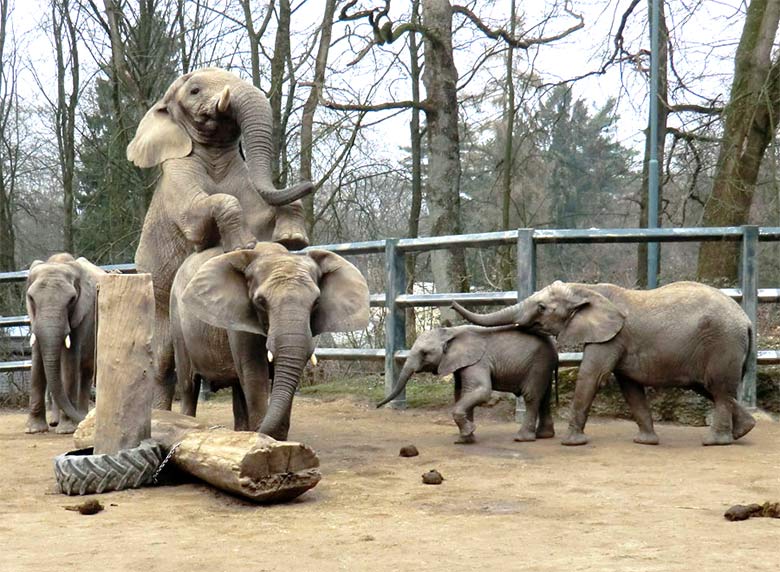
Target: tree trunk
278,62
506,262
443,182
413,230
663,113
307,121
751,117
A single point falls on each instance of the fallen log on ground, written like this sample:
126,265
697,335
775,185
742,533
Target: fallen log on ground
248,464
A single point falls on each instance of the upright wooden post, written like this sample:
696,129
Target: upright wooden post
749,285
395,321
526,285
123,411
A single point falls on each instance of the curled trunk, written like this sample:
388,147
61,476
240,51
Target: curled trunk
406,373
254,117
499,318
289,361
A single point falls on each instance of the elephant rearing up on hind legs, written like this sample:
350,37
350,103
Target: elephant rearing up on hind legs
208,194
683,334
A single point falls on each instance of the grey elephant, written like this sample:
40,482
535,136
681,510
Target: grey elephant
61,305
207,194
486,359
232,313
684,334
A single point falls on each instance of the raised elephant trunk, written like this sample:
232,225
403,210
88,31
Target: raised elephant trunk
502,317
253,114
290,357
403,378
51,344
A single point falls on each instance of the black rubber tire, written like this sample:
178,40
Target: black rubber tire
82,473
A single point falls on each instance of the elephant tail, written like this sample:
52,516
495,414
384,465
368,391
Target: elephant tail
555,380
749,350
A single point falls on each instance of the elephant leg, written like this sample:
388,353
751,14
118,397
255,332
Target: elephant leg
545,427
598,361
636,398
249,356
742,422
475,391
240,412
36,419
290,228
188,381
71,381
721,428
527,431
164,374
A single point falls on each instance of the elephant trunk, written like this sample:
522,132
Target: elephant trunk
406,373
502,317
292,352
51,344
253,114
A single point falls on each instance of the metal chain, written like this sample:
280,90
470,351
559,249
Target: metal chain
165,462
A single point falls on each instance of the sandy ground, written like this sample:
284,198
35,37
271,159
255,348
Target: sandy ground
611,505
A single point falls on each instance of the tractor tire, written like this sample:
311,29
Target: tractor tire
82,473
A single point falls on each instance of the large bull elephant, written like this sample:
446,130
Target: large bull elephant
683,334
207,193
233,312
61,306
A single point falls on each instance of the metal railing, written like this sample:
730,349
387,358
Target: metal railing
395,299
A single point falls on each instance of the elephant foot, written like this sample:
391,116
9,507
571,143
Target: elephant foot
292,240
574,438
65,427
713,438
523,436
743,424
645,438
36,425
545,433
465,439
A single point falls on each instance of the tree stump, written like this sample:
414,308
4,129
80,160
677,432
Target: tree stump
125,312
248,464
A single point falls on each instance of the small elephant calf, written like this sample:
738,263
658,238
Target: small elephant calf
486,359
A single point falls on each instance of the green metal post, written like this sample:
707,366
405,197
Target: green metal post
395,321
526,285
747,392
652,167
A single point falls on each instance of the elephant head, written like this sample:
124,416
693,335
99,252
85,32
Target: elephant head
212,108
289,298
573,313
60,296
441,351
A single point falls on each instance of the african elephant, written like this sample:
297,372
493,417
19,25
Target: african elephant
486,359
207,192
232,313
61,305
683,334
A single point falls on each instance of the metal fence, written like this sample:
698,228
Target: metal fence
396,300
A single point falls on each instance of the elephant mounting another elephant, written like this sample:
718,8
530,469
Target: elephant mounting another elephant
233,313
483,360
684,334
61,304
208,194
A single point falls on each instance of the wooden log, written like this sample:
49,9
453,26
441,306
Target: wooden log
244,463
125,310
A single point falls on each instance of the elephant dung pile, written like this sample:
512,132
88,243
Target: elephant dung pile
244,463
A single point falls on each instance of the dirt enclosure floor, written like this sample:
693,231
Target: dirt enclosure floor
610,505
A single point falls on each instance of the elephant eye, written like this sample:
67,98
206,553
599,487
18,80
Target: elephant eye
195,91
542,307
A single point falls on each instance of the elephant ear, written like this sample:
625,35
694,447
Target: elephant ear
218,294
461,349
594,320
88,275
343,304
158,138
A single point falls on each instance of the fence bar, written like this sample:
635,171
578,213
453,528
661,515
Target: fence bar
627,235
747,394
395,321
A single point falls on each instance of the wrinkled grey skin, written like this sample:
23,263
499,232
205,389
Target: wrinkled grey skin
483,360
684,334
207,193
229,310
61,303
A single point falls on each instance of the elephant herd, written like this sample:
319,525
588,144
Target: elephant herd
234,307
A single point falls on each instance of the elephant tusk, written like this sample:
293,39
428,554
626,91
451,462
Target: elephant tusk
67,341
32,340
224,100
270,356
313,360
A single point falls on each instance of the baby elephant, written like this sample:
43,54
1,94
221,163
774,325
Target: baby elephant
486,359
